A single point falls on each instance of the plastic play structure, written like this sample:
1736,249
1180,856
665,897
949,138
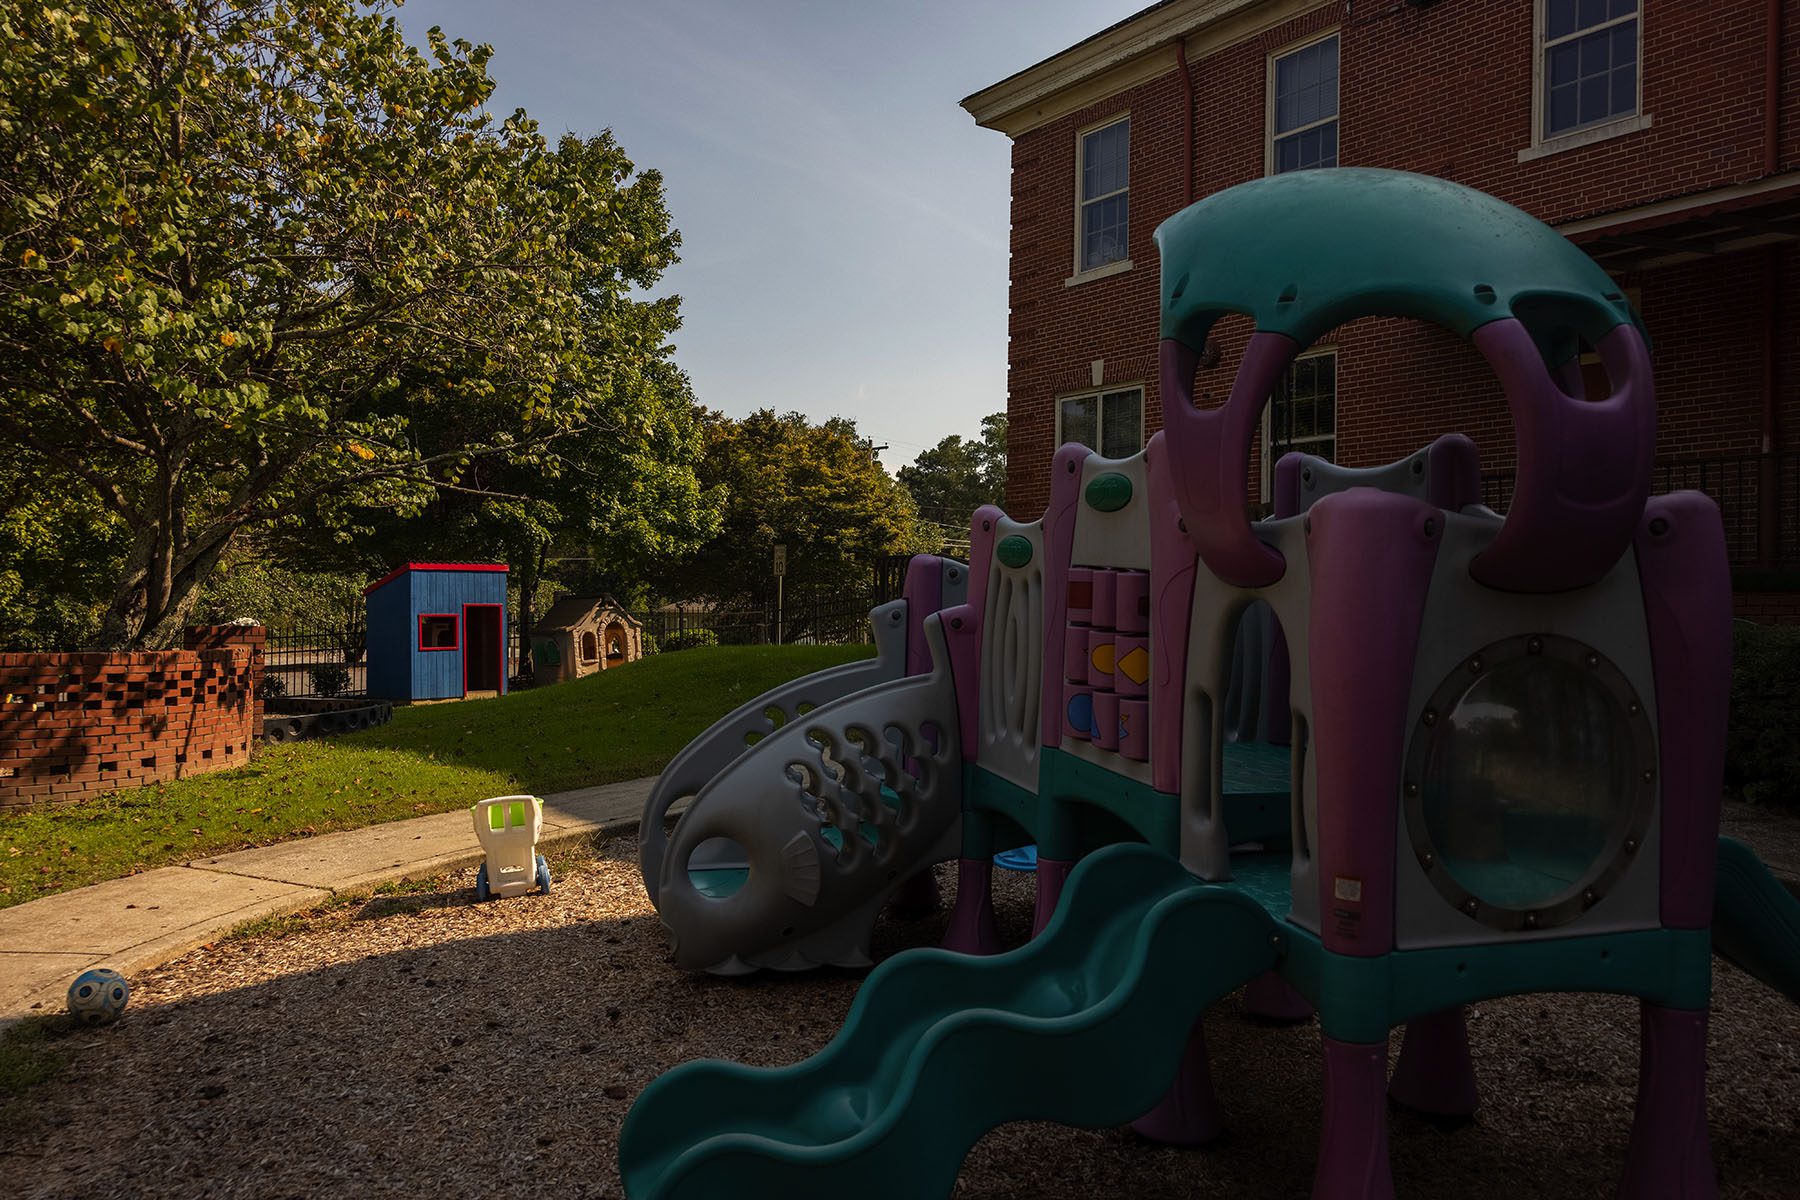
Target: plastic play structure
1500,748
508,828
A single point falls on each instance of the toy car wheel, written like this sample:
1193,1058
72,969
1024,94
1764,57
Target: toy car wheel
543,875
481,884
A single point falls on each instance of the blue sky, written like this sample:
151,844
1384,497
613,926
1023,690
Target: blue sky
843,221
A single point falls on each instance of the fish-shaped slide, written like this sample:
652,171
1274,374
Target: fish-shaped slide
1084,1025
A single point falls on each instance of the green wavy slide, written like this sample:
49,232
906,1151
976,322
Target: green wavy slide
1756,921
1083,1025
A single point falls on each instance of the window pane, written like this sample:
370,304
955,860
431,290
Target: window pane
1596,54
1561,63
1592,12
1327,145
1624,89
1328,77
1104,227
1287,155
1078,420
1120,415
1562,108
1622,8
1559,18
1624,45
1594,99
1306,86
1105,158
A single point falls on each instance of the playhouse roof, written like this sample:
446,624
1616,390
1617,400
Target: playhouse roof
571,611
403,568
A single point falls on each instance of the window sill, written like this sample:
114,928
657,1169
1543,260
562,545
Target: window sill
1111,268
1586,137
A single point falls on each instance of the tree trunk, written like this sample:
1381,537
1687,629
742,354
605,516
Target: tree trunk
151,608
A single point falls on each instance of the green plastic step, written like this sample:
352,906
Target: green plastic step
1084,1025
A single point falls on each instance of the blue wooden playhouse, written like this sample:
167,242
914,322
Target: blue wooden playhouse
437,631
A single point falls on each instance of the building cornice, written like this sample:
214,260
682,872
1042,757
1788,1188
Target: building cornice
1137,49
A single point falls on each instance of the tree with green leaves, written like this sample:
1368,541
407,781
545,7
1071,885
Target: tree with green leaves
955,477
266,264
816,489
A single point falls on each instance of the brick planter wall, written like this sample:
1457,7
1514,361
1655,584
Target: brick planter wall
75,725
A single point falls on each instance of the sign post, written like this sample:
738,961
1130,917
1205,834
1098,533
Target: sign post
780,570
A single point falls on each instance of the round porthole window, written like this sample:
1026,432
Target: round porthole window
1530,782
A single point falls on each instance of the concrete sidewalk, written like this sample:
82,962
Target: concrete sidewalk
144,920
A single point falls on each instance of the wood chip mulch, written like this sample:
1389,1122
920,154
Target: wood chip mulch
426,1046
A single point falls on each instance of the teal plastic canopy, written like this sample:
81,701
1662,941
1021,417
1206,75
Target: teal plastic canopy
1303,252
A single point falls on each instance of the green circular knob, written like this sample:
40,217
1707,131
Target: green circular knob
1109,492
1013,551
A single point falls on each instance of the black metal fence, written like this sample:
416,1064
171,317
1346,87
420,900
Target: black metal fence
1758,497
316,662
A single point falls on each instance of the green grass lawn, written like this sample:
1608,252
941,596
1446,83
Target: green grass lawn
620,724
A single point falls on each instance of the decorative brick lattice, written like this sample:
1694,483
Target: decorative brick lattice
75,725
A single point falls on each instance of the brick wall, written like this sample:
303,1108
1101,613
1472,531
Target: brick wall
75,725
1444,90
1768,608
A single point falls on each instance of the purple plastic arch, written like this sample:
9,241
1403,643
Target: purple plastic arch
1584,466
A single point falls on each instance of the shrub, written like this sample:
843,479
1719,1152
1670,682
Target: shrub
330,679
647,644
1762,749
688,639
271,686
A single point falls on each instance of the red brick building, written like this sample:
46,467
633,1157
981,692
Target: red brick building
1663,136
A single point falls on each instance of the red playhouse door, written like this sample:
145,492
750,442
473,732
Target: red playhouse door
483,648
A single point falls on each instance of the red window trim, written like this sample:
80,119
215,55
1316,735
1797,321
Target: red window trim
455,630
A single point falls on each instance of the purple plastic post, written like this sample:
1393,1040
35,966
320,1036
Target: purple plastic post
972,929
1670,1155
1188,1113
1453,473
1273,998
1059,545
924,595
1687,604
1173,563
1435,1075
1371,555
962,628
1353,1143
1211,456
1052,873
1584,465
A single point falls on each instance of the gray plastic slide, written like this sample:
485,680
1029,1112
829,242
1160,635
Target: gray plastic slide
737,732
828,814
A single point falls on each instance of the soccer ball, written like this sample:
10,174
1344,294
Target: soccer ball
97,997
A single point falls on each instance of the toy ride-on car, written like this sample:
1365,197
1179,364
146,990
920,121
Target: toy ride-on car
508,829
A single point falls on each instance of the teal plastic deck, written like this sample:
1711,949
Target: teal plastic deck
1084,1025
1080,806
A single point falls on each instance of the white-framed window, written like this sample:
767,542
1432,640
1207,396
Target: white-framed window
1588,65
1110,420
1102,195
1301,414
1303,107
